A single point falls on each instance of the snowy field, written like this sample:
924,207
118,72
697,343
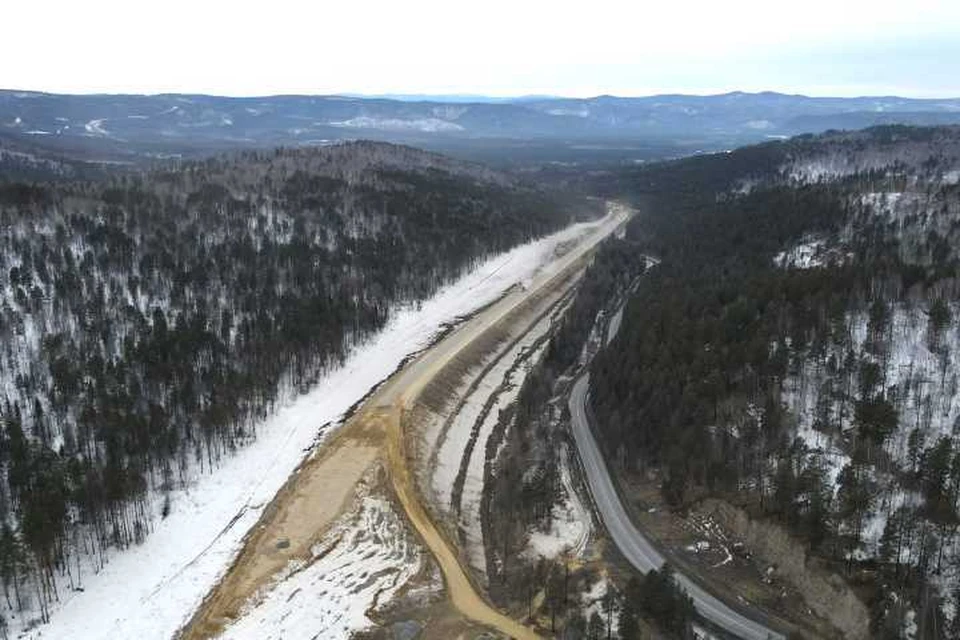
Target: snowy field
150,590
361,563
430,125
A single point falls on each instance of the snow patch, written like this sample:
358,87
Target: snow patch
95,127
910,625
426,125
918,377
472,493
569,523
810,253
449,111
582,112
360,564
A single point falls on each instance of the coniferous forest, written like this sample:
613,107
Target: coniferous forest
151,319
795,352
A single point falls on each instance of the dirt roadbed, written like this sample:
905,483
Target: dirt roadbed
322,488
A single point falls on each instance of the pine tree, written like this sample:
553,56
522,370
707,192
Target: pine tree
596,628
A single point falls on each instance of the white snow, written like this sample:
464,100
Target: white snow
883,202
592,601
471,497
910,625
805,255
827,167
875,522
569,523
582,112
452,444
150,590
427,125
922,384
494,388
95,127
801,398
360,564
613,327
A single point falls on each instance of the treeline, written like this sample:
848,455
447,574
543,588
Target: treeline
641,606
651,605
148,323
656,597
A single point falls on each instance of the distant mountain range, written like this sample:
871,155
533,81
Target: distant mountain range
115,126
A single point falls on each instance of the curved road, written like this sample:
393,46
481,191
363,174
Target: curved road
632,544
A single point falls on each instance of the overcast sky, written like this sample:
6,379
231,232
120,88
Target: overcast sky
491,47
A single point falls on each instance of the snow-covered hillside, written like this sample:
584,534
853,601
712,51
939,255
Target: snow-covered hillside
796,355
875,397
900,149
914,368
151,589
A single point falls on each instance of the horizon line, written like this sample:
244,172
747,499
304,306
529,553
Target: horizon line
441,96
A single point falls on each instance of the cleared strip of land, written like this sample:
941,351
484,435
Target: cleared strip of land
321,489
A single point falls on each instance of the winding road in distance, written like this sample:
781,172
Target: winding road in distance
631,542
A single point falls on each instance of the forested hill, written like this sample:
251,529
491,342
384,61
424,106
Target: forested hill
796,352
148,322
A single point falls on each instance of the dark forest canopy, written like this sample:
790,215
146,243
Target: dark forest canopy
700,327
699,386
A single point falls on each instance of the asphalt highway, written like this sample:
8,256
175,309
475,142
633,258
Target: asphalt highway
635,547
